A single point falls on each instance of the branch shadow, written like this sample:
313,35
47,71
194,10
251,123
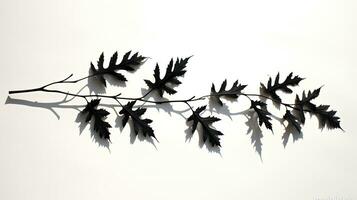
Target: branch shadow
252,121
51,107
80,118
166,107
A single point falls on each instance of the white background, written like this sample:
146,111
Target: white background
42,157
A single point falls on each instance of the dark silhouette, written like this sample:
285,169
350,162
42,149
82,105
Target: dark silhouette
132,112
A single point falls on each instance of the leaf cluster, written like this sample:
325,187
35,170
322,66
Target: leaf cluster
295,114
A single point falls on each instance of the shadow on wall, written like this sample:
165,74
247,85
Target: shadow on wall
253,130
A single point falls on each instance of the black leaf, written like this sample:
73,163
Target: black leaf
167,83
292,120
127,63
263,115
98,115
231,93
305,102
207,131
284,86
327,117
140,125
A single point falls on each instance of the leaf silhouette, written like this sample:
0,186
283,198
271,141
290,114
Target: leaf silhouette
231,93
140,125
207,131
327,118
263,115
127,64
97,116
292,120
284,86
173,71
305,102
258,114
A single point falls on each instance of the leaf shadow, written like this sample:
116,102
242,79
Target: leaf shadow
95,86
214,106
255,131
52,106
253,127
252,123
115,82
290,130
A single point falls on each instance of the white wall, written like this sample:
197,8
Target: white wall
46,158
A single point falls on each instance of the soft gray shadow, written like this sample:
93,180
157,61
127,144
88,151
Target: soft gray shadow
94,84
155,96
115,82
255,131
252,123
214,106
188,131
50,106
290,130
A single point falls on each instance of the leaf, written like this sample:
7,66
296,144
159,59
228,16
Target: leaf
140,125
305,102
173,71
207,131
327,118
292,120
263,115
97,116
231,93
284,86
127,63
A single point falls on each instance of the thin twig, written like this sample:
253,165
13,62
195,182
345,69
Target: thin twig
142,98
